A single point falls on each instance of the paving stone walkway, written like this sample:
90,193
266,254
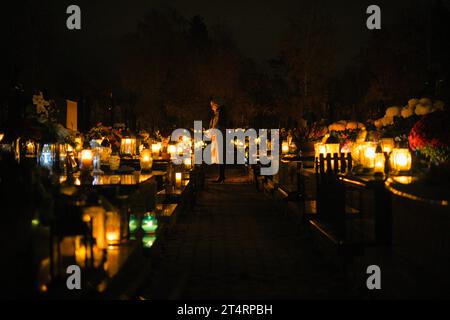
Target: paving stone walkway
236,245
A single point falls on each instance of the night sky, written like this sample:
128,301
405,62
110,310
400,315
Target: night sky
256,25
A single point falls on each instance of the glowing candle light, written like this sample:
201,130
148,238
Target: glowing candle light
146,160
128,146
178,177
47,156
31,149
149,223
387,144
284,147
367,153
400,159
172,149
379,161
332,148
86,159
320,148
188,163
156,148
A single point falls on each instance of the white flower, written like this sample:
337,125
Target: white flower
338,126
387,121
41,109
413,102
422,110
352,125
407,112
393,112
38,97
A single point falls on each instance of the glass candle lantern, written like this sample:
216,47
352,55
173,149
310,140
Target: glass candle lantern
97,161
156,149
47,156
379,161
86,159
133,224
113,228
149,223
31,149
146,160
284,147
400,159
128,146
178,179
368,155
332,148
356,150
172,149
114,162
187,163
105,152
320,148
387,145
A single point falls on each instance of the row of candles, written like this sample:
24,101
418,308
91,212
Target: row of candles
371,156
108,231
90,158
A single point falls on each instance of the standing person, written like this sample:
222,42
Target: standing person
218,121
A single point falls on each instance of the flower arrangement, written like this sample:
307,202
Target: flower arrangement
414,108
431,138
398,122
113,134
311,133
42,105
40,124
345,125
347,135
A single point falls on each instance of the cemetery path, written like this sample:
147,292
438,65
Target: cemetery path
236,245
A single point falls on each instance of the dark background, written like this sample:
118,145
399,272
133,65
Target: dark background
156,63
